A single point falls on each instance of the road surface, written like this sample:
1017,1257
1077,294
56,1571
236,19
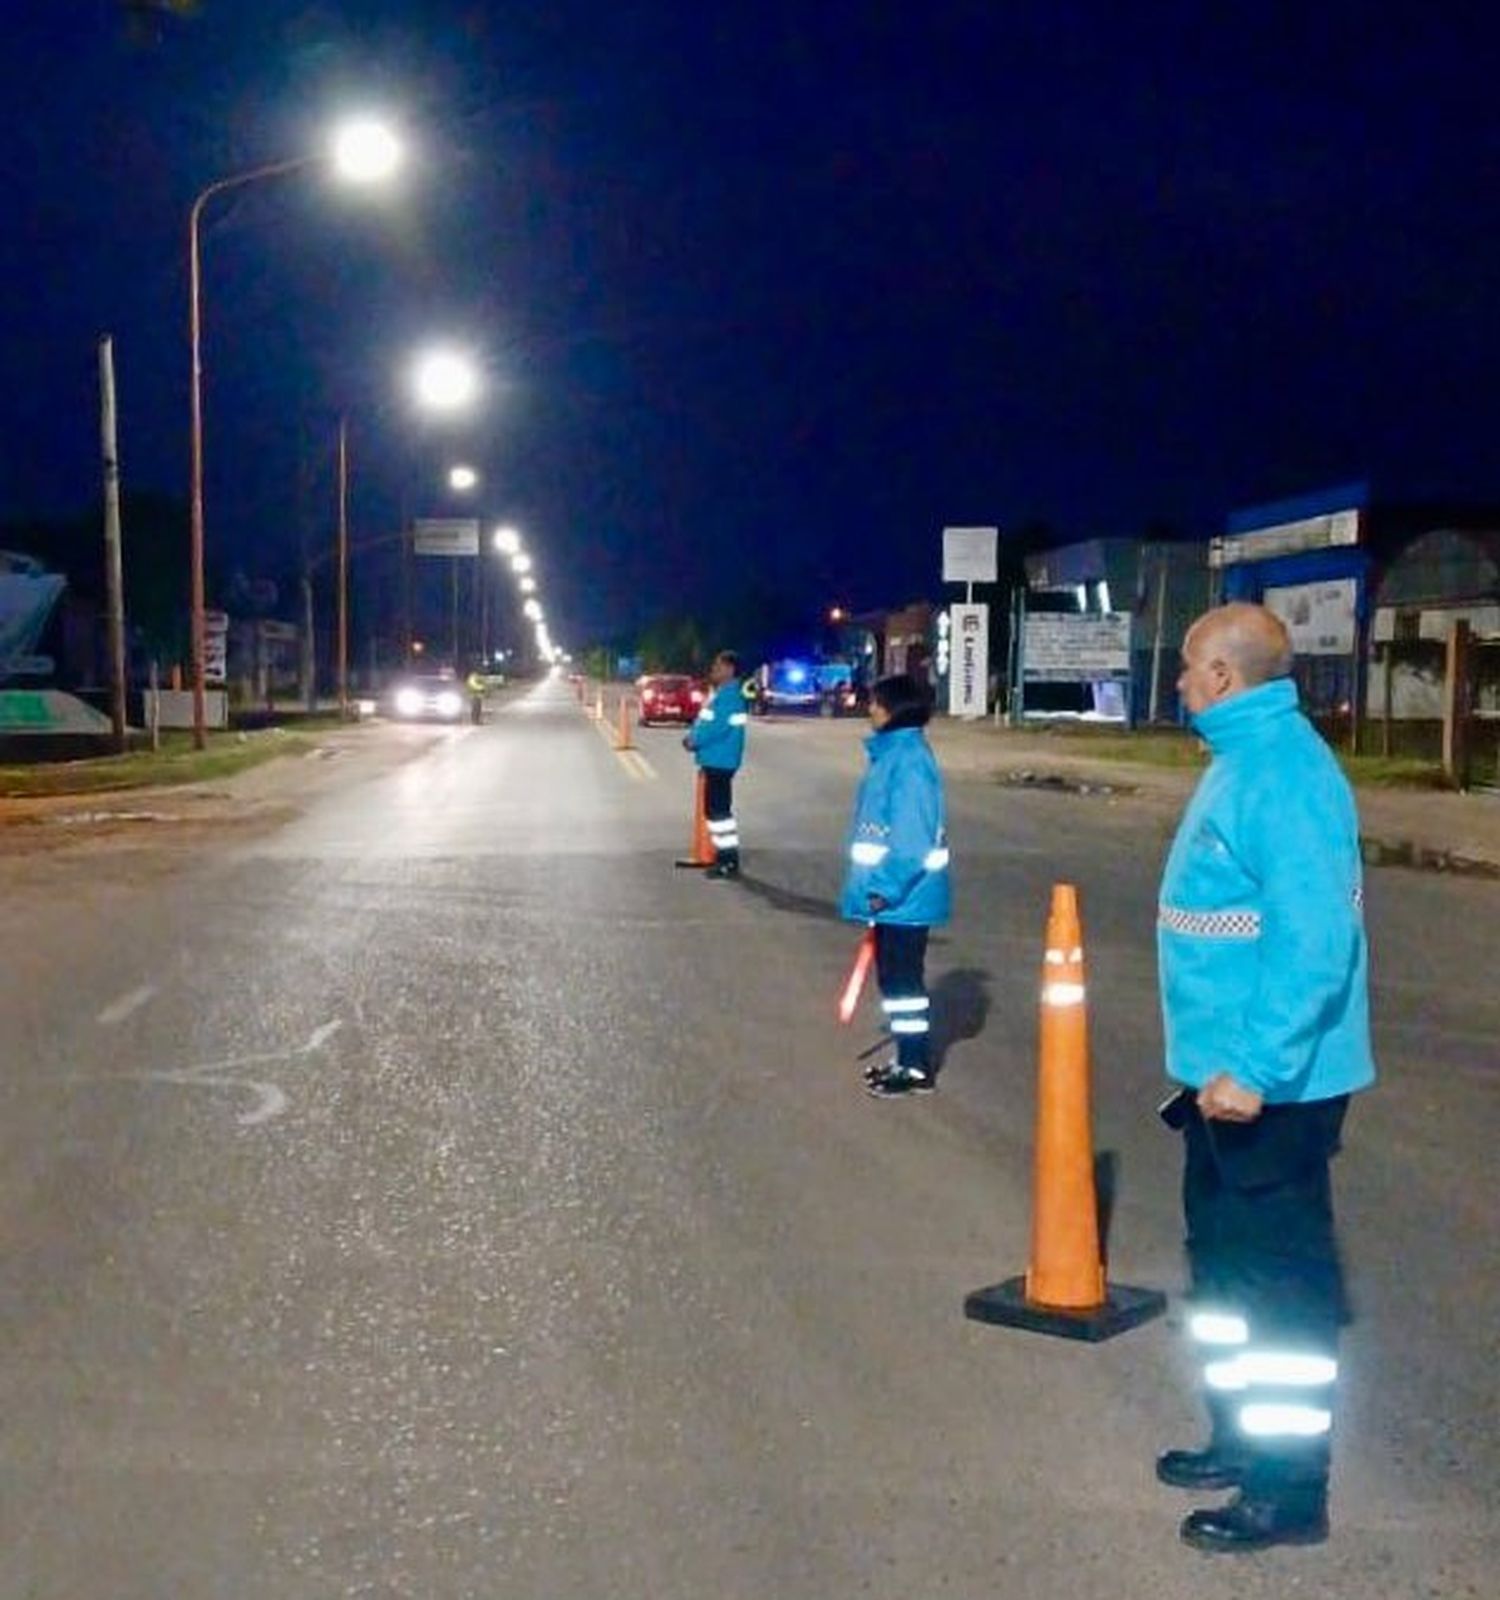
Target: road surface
430,1192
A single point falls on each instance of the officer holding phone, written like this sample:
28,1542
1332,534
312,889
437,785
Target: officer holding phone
1264,974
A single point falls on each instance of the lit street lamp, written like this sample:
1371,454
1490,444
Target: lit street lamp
445,380
507,541
528,585
463,479
362,152
532,610
520,564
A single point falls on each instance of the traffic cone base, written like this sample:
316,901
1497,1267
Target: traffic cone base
1005,1305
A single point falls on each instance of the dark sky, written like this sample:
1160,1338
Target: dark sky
780,284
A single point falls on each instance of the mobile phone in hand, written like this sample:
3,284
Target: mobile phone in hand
1176,1108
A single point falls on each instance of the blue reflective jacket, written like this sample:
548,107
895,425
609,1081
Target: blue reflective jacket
717,737
897,845
1260,932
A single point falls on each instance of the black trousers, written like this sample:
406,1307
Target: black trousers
718,810
1267,1284
900,956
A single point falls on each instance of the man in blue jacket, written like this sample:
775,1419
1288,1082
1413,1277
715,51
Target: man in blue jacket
717,740
1264,982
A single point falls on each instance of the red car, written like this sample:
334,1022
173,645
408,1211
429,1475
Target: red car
669,697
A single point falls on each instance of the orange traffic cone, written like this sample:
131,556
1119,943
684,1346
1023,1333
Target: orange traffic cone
623,740
703,854
1064,1290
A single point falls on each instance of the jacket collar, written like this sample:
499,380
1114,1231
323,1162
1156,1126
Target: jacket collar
879,744
1246,717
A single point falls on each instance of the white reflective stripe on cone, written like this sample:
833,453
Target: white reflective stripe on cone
1062,994
864,854
1218,1328
1266,1421
1281,1368
916,1002
910,1025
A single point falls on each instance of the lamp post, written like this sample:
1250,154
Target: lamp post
363,152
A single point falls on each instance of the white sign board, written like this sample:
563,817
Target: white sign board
215,646
1075,647
971,555
969,664
1287,539
445,536
1319,616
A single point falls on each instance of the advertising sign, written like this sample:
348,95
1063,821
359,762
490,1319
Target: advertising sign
446,536
1286,539
971,555
969,664
215,646
1319,616
1076,647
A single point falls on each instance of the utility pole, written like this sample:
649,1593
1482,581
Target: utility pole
113,575
344,566
1156,641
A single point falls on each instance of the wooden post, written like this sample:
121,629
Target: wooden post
1387,694
1456,706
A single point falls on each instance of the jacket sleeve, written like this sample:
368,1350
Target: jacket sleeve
1308,948
914,817
704,735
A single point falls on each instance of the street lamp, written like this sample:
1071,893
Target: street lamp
528,585
532,610
507,541
445,380
363,152
520,564
462,479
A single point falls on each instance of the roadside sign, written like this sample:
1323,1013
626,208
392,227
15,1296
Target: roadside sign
1075,647
969,665
971,555
445,536
215,646
1319,616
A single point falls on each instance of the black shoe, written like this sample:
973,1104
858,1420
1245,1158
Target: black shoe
1198,1469
897,1081
1257,1524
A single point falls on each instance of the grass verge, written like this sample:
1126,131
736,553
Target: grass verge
175,763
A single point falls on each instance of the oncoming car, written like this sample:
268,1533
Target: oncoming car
427,699
669,697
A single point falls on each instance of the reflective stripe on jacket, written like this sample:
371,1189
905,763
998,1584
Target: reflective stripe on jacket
897,845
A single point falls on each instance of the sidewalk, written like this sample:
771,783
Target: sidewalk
1402,827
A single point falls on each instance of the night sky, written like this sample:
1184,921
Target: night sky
775,288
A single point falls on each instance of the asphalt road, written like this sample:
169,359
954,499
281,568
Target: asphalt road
432,1193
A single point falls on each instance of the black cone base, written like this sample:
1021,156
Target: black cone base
1006,1306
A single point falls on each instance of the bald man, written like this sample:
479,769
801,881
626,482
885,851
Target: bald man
1264,979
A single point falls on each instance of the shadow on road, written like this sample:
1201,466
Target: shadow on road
960,1009
818,907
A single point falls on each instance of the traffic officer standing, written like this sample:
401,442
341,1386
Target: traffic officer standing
1264,975
717,740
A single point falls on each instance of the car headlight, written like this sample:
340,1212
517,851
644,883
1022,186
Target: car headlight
409,702
449,704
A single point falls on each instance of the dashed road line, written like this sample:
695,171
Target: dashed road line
127,1004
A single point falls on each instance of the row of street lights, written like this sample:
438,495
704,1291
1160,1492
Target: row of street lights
445,380
509,544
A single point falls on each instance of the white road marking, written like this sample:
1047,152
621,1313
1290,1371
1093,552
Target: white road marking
117,1010
270,1099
